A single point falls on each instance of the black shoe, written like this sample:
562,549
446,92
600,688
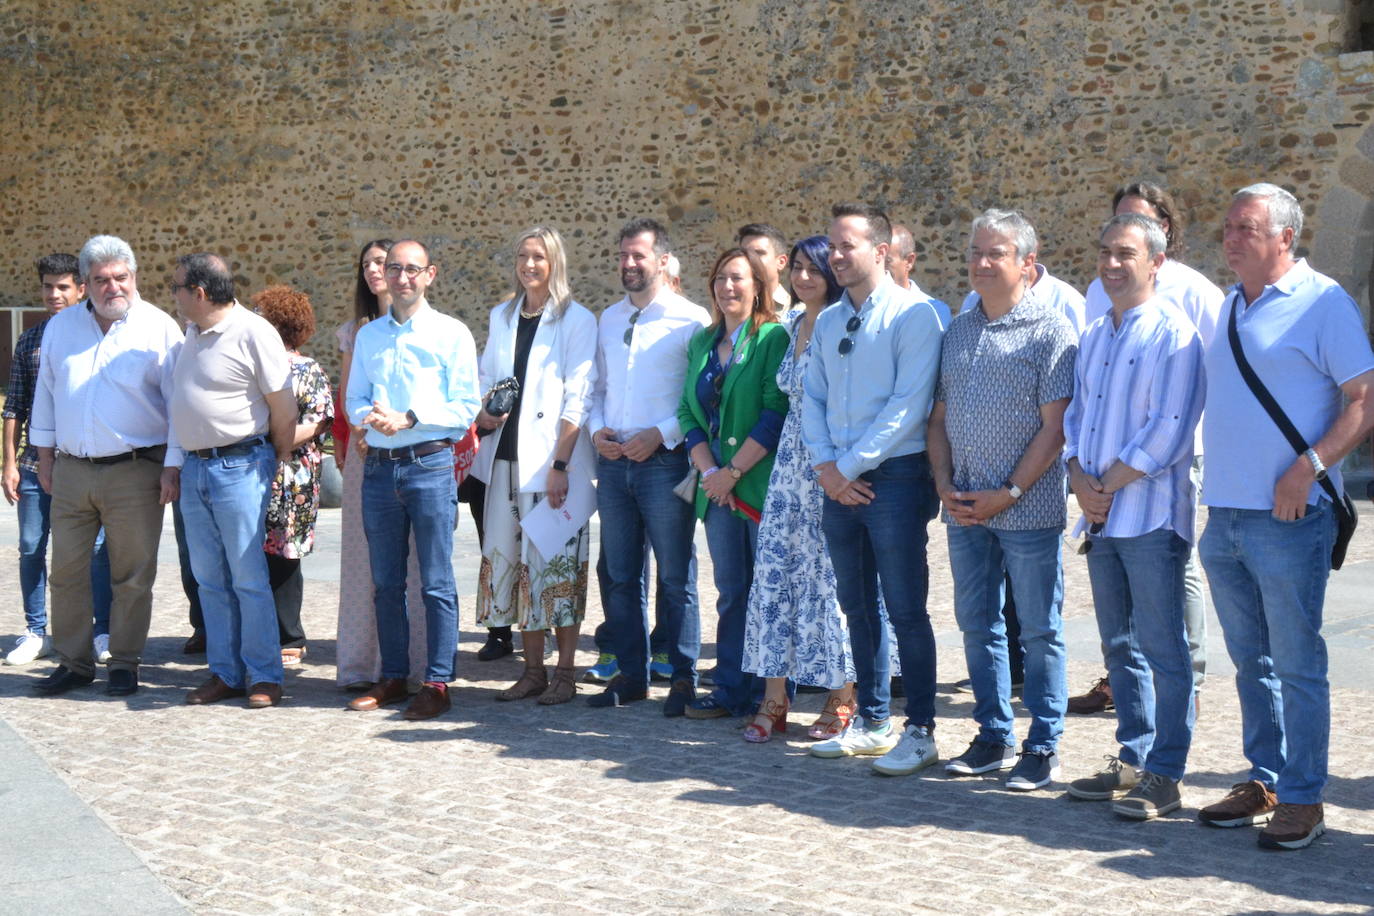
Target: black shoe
495,648
679,695
896,687
618,692
62,680
122,682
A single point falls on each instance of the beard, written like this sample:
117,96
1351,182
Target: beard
114,311
634,280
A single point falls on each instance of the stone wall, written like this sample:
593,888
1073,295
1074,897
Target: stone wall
284,134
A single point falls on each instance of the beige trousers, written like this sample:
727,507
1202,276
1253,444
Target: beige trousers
124,498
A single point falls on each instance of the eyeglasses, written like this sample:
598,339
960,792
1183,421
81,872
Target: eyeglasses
410,270
630,331
850,327
173,287
992,255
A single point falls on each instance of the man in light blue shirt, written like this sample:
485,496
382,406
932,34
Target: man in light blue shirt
1270,526
1129,444
901,261
867,397
413,381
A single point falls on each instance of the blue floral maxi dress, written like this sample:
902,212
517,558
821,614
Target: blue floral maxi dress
794,626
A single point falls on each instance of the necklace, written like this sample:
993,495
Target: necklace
534,314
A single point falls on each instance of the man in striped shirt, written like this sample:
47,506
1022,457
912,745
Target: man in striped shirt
1138,394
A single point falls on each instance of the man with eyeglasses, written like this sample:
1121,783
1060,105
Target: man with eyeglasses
100,423
867,395
413,382
641,362
996,432
234,413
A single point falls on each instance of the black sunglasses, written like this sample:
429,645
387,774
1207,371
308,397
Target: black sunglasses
630,331
850,327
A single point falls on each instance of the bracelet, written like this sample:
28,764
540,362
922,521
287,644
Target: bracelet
708,472
1318,468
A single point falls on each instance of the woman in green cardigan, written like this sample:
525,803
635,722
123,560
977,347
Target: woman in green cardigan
731,415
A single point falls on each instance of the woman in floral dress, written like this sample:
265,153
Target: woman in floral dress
794,628
295,500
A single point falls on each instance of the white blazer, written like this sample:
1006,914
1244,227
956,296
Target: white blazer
557,385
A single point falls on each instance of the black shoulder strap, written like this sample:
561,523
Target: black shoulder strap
1271,406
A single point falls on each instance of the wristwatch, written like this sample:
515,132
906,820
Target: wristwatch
1015,491
560,465
733,471
1318,468
414,420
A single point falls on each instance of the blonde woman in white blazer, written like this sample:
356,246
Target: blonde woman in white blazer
538,451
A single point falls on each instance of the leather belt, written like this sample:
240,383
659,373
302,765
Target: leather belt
241,447
410,452
151,452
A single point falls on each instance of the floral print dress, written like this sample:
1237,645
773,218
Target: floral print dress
295,502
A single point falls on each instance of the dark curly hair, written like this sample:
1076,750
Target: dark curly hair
289,311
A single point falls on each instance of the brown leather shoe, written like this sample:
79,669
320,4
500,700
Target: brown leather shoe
212,691
431,701
391,690
1097,699
263,695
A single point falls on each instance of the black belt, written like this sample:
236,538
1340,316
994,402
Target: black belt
152,452
418,450
241,447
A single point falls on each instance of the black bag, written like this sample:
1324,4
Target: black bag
1346,516
501,399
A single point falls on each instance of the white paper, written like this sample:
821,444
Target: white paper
548,529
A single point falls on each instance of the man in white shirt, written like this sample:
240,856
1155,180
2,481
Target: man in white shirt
1200,300
101,425
641,367
235,414
770,246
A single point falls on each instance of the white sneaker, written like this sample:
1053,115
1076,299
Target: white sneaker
857,740
914,751
30,647
101,644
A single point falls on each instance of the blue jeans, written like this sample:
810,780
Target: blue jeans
981,560
636,500
224,504
401,495
731,540
601,636
34,508
188,576
1140,597
1268,585
886,541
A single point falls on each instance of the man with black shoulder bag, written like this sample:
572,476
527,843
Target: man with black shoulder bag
1288,396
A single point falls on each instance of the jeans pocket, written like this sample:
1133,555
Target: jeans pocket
435,461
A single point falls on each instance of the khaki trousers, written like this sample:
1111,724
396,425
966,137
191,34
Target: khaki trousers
124,498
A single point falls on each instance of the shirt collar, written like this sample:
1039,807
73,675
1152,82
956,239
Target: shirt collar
230,318
882,293
416,321
1029,308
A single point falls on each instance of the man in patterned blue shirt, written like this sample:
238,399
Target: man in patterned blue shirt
60,276
996,430
1129,446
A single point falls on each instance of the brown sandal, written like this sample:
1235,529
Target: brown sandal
533,682
562,688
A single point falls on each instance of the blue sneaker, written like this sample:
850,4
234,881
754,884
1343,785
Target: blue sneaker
606,667
659,669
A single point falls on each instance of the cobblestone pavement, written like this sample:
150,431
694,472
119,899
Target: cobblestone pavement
499,807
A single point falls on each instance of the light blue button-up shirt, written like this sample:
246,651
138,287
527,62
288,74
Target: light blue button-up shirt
873,403
1138,393
427,365
1304,338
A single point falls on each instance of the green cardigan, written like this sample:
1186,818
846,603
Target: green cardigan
750,386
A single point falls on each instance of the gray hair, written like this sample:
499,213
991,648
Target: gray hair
1012,223
105,249
1156,242
1284,210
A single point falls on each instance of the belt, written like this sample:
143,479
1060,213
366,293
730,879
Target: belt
153,452
410,452
241,447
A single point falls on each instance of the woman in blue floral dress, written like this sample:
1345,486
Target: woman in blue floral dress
794,627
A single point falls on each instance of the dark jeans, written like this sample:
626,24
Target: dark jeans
885,542
188,576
